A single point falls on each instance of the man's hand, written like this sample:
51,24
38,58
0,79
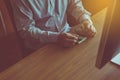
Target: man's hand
88,30
84,29
67,39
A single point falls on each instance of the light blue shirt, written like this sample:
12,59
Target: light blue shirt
43,20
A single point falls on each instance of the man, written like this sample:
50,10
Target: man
41,22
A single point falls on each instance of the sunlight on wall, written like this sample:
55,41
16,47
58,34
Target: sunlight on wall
95,5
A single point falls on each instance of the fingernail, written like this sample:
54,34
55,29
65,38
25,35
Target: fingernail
75,41
76,38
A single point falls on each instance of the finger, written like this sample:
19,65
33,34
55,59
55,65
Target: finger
71,40
88,27
91,34
71,36
93,29
75,35
87,24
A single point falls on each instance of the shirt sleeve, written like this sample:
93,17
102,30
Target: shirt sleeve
76,9
25,24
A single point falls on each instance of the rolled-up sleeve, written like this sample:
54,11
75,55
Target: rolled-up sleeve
76,9
25,24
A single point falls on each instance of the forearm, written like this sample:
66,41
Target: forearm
77,10
38,34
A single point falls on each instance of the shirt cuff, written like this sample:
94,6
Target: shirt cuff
52,37
85,17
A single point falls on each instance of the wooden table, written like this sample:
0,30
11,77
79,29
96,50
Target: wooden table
56,63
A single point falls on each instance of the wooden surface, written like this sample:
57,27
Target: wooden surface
55,63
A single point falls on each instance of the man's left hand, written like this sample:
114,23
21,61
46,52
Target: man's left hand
88,30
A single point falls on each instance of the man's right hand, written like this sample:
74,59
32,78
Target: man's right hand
67,39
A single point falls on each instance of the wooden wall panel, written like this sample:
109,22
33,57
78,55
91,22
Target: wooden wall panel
95,6
10,49
6,18
3,31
